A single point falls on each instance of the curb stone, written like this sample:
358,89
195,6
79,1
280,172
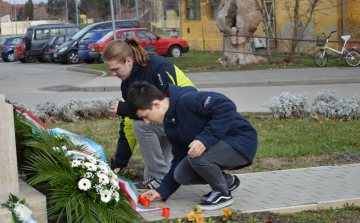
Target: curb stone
90,71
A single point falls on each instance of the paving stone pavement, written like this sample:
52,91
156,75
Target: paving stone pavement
292,190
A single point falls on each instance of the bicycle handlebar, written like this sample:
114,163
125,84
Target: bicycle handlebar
329,34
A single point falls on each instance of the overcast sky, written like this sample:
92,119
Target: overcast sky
23,1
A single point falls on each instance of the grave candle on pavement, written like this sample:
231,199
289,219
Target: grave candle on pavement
166,212
146,202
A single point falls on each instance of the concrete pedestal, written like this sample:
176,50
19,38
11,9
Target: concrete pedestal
9,181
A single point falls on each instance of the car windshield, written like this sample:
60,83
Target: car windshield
107,36
81,32
18,42
4,41
89,35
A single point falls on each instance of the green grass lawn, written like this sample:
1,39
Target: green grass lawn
205,61
292,138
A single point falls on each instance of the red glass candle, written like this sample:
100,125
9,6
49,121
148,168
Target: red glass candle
140,199
146,202
166,212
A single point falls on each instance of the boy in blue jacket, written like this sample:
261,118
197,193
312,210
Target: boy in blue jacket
207,134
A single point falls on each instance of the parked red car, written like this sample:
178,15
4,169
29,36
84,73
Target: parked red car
163,46
19,55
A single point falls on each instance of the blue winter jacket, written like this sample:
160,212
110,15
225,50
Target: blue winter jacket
208,117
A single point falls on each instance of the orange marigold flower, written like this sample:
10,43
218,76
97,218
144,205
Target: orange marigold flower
198,209
191,216
227,212
199,218
131,170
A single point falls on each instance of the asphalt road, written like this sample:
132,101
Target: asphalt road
23,83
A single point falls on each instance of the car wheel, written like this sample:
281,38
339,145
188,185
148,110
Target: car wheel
89,61
22,60
73,57
10,57
5,60
175,51
99,60
30,59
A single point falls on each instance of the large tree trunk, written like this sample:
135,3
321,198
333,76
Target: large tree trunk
238,17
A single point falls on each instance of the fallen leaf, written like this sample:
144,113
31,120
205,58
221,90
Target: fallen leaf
317,117
278,126
293,111
263,131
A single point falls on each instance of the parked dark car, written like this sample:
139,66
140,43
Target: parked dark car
7,47
53,44
68,52
37,36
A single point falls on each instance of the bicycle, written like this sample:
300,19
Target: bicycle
351,57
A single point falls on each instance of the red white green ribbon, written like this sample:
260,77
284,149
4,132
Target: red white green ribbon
130,190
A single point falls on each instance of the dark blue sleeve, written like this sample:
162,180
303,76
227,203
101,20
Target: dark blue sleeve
221,111
169,184
123,150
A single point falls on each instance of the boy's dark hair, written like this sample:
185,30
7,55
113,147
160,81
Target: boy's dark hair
141,95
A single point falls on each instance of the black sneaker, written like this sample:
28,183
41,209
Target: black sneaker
217,200
234,187
149,184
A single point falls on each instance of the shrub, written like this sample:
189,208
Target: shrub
289,105
328,105
73,109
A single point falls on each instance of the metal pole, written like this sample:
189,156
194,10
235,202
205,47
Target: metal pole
77,14
137,9
67,18
15,19
112,18
343,17
120,8
224,51
12,27
180,19
1,8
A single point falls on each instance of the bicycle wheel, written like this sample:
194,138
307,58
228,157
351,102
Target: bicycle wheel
352,58
320,58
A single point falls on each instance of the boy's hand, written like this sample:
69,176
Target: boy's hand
196,149
114,107
153,195
116,170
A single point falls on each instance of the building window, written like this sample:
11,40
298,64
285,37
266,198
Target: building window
193,9
213,9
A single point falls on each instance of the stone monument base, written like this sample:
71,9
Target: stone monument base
36,200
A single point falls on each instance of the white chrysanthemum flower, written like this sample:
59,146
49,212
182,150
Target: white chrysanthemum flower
116,196
115,183
103,179
113,176
103,169
22,212
84,184
105,196
75,163
91,159
90,166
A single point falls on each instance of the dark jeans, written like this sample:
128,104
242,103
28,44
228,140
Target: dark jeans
207,168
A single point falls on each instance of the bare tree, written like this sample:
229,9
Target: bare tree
300,14
262,7
238,17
